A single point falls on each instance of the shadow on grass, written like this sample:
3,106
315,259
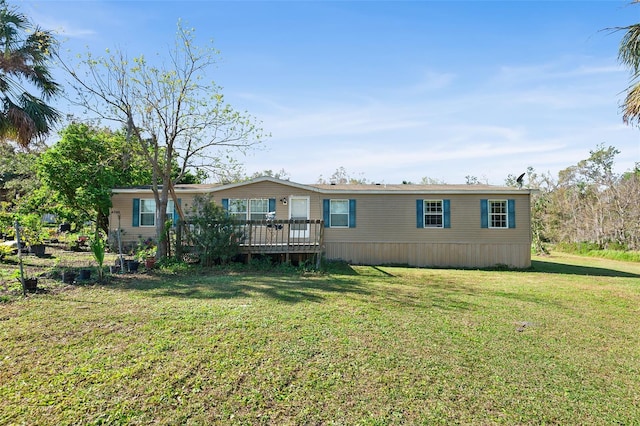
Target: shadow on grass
563,268
285,288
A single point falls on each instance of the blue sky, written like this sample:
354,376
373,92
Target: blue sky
394,90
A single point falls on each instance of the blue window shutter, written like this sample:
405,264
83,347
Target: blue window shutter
352,213
176,216
446,213
225,204
272,205
419,213
136,212
511,211
484,213
325,212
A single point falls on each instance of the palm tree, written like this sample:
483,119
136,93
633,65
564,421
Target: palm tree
629,55
24,52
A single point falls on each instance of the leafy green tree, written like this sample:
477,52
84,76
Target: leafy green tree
189,176
170,113
85,165
17,174
23,63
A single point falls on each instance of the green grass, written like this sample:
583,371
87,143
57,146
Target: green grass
593,250
627,256
558,344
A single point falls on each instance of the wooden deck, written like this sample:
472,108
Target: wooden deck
283,237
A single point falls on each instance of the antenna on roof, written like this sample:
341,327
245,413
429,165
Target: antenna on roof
519,180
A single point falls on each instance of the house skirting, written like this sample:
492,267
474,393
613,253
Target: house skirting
458,255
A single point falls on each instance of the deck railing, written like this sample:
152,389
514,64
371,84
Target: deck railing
273,237
281,236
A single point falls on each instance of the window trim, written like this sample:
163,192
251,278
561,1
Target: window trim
228,202
235,215
250,212
425,213
491,214
326,213
420,213
348,213
152,213
170,212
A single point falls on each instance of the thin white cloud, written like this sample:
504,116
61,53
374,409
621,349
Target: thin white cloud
566,68
432,80
58,26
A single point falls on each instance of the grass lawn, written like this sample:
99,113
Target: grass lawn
558,344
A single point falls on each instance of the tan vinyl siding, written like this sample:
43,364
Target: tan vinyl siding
276,191
123,203
457,255
392,218
386,230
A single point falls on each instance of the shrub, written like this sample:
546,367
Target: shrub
577,248
214,235
6,250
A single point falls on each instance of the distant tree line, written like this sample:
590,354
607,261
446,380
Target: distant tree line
587,203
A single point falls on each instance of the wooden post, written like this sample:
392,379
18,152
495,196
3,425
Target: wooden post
178,249
24,286
320,244
250,241
178,207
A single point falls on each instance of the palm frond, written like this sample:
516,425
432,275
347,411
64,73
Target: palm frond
631,105
629,51
24,52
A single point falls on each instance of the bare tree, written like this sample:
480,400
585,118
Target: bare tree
590,203
171,113
342,177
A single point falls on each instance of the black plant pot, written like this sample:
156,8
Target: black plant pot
37,249
68,277
85,274
31,284
132,265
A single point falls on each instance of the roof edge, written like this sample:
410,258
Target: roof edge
342,189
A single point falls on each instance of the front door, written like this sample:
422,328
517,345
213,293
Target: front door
299,210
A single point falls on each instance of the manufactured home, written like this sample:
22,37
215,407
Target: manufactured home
467,226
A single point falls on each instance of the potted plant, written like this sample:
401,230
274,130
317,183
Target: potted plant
29,284
98,245
32,234
147,256
146,253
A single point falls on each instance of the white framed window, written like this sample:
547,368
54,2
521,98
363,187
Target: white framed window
498,214
253,209
147,212
238,208
170,213
339,213
258,208
433,214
